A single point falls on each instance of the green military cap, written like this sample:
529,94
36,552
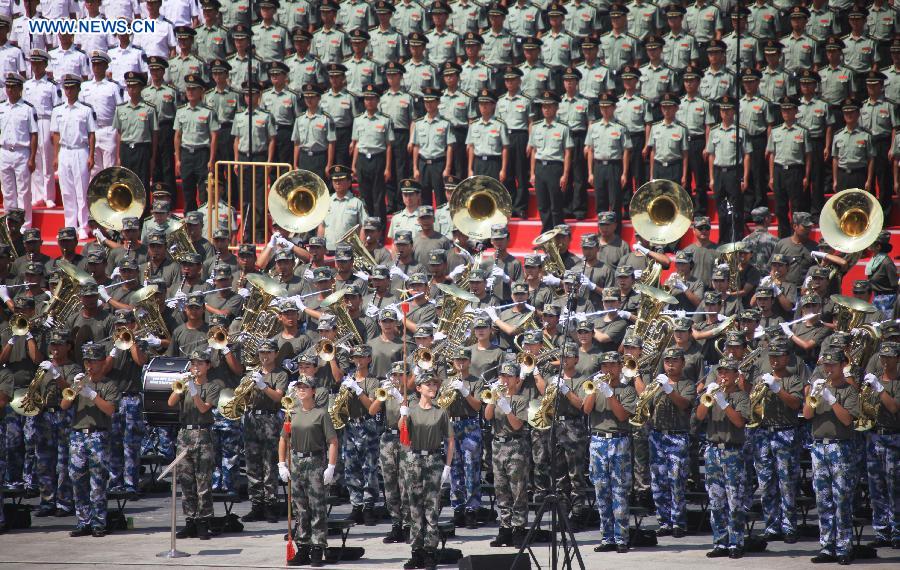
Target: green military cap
682,256
486,96
715,45
617,9
124,317
186,31
322,274
712,297
810,299
361,351
735,338
93,351
287,306
749,315
327,323
201,354
729,364
384,7
690,72
862,286
416,39
610,356
387,314
548,97
359,35
24,302
284,255
159,62
683,324
441,7
509,369
583,325
590,241
520,288
431,93
630,72
607,99
353,289
571,277
67,233
425,212
97,256
88,288
778,348
551,310
461,353
849,104
192,258
625,271
478,275
701,222
726,102
437,256
653,41
669,99
820,272
417,278
533,336
409,185
833,357
888,350
399,367
472,38
59,336
633,341
195,300
380,272
403,237
765,292
343,252
246,249
268,345
138,78
719,274
799,12
250,87
308,357
482,321
424,330
750,74
194,80
533,260
673,352
450,68
425,378
222,272
606,218
499,231
31,234
780,259
611,294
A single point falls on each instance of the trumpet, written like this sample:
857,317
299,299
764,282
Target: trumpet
217,337
123,338
527,361
180,385
72,391
630,367
709,397
20,324
815,396
489,396
326,349
424,358
590,386
382,394
287,404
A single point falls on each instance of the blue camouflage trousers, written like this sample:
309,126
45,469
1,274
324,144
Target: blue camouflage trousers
611,476
2,466
775,455
227,444
89,471
125,444
465,470
159,440
28,464
359,449
52,450
883,462
668,471
751,436
832,475
725,485
261,432
885,304
391,454
15,447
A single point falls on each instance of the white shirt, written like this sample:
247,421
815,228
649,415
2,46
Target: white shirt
72,61
180,12
102,96
73,124
124,60
27,42
51,9
18,122
12,60
90,42
10,8
160,42
115,9
43,94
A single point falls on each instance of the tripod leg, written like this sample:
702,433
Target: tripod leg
568,539
526,544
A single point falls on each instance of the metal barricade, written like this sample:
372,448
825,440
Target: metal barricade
229,189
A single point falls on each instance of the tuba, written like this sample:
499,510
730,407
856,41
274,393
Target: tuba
447,395
29,401
114,194
236,404
730,254
260,319
346,328
553,264
454,321
478,203
661,213
298,201
541,412
851,220
65,302
652,325
362,259
146,313
850,313
484,261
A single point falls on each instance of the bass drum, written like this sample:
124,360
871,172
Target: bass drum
157,386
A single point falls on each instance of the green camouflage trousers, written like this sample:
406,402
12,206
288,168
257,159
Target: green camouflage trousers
423,495
310,500
195,472
391,457
511,480
261,433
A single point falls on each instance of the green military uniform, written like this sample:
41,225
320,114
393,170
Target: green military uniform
800,52
669,142
756,116
303,70
195,473
164,98
330,46
400,107
727,156
475,76
212,42
618,50
679,50
879,117
372,133
852,149
432,137
341,107
458,107
488,138
836,83
775,83
816,117
361,72
263,130
516,112
312,134
386,45
180,67
136,125
608,142
284,107
271,42
226,104
404,220
239,64
551,142
789,147
196,123
443,46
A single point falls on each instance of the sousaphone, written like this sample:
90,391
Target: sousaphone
851,220
661,212
299,201
114,194
478,203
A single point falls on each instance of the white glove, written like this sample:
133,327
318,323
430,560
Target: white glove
664,383
492,313
489,283
562,386
770,381
308,274
438,335
765,281
371,311
722,266
4,294
806,282
529,307
497,271
395,393
98,235
274,239
523,374
776,290
50,368
192,388
503,406
872,380
11,341
680,285
460,387
328,475
551,280
101,290
819,254
712,387
817,383
829,398
445,475
99,302
225,350
720,400
152,341
115,273
456,271
258,380
604,388
362,275
298,300
283,472
638,273
404,410
351,384
88,392
624,314
720,317
243,292
640,249
395,271
588,283
78,377
759,332
787,330
284,243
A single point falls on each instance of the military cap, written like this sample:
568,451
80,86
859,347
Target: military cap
338,171
31,234
66,233
751,314
509,369
808,76
24,302
549,97
71,80
533,336
193,258
625,271
211,5
735,338
336,68
810,299
93,351
669,99
100,56
408,185
425,212
343,252
682,256
372,224
729,364
799,12
221,233
610,356
481,321
361,351
674,11
833,357
802,218
441,7
472,38
618,9
450,68
570,349
486,96
874,76
268,345
590,241
437,256
552,310
512,72
611,294
750,74
820,272
201,354
719,274
726,102
857,11
496,8
61,336
251,87
88,288
533,42
653,41
418,278
187,31
630,72
398,367
557,9
300,34
156,238
740,12
194,80
683,324
673,352
890,329
222,272
161,62
765,292
570,73
779,258
606,218
431,93
277,67
772,46
862,286
633,340
403,237
246,249
39,55
499,231
690,72
888,350
416,39
327,323
533,260
477,275
160,207
316,241
519,288
461,353
371,90
131,223
607,99
322,274
387,315
571,277
359,35
583,325
14,80
96,256
778,347
195,300
308,357
383,7
424,330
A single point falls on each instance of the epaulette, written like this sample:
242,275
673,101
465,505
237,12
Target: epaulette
679,123
464,92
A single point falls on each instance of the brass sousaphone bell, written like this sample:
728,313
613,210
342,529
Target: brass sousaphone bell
299,201
851,220
661,212
114,194
478,203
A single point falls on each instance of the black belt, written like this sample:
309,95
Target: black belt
356,420
193,150
507,438
284,127
610,435
372,155
830,440
305,454
434,160
167,122
672,431
727,445
852,170
778,428
550,162
251,155
197,426
393,431
512,131
884,138
226,124
130,394
696,137
262,412
486,157
564,418
89,430
426,452
135,145
789,166
668,164
313,152
607,161
637,134
725,168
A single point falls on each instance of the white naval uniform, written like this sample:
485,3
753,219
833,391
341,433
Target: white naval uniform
90,42
43,94
18,121
73,124
12,60
126,59
65,61
115,9
27,42
159,43
103,96
180,12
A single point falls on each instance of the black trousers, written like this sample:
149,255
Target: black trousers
788,188
487,166
284,147
698,172
136,158
608,185
548,192
370,174
342,145
165,156
727,185
194,170
673,171
637,170
758,184
314,162
577,189
254,209
518,170
401,168
852,178
225,151
432,173
818,174
460,166
884,174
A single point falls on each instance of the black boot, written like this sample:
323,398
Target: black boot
504,537
272,513
459,518
356,515
471,519
256,514
203,529
301,558
316,557
519,534
415,561
430,559
369,517
188,531
396,535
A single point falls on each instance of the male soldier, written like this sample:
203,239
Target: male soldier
73,125
577,112
878,116
789,153
717,80
19,138
488,140
728,150
244,64
474,75
668,144
372,136
703,20
524,21
608,149
255,146
801,50
65,59
313,135
656,78
618,48
696,114
387,43
185,63
212,40
536,76
815,116
399,106
102,95
93,407
341,106
498,43
271,40
361,70
137,123
225,101
633,112
861,51
750,53
304,67
329,43
550,145
445,44
43,94
420,72
680,48
836,77
196,138
852,152
756,116
163,97
283,105
457,106
760,243
515,110
596,77
346,210
776,82
161,42
433,145
355,15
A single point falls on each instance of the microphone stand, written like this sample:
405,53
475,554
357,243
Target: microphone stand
559,520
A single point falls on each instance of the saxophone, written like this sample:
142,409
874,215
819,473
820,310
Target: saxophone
869,406
540,412
759,397
339,410
32,401
642,409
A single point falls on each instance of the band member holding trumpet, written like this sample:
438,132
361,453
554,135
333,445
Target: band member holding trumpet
310,439
609,401
465,470
726,408
93,397
359,445
831,406
427,467
195,397
883,450
807,336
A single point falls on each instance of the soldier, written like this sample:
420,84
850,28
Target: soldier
679,48
330,44
304,68
776,82
283,105
433,145
93,406
360,438
225,101
656,78
668,143
19,139
185,63
717,80
43,94
878,116
577,112
355,15
163,97
387,43
814,114
373,135
420,73
524,21
313,135
102,95
633,112
305,438
399,106
853,153
728,149
196,139
72,126
468,16
488,140
271,40
882,275
618,48
244,63
445,44
212,40
137,123
458,108
474,75
515,111
536,76
255,146
195,403
550,145
861,51
695,113
703,20
507,414
892,73
757,117
65,59
341,106
361,70
789,153
411,17
750,53
760,242
609,148
498,43
801,51
596,78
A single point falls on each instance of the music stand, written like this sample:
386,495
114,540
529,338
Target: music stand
173,467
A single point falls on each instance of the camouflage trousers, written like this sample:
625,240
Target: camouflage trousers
465,470
195,473
125,444
569,458
423,494
640,448
885,304
15,447
89,471
883,462
261,432
510,462
541,458
310,500
159,440
611,476
30,459
668,469
751,435
834,495
359,449
52,449
227,447
725,485
775,456
2,466
391,454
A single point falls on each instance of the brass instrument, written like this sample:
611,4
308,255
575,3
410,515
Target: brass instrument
447,395
298,201
589,386
541,412
750,359
815,396
454,322
29,401
288,403
260,319
326,349
217,337
642,409
489,396
146,313
484,261
721,330
65,301
235,406
661,213
709,397
553,263
71,392
362,259
179,242
6,236
114,194
123,338
850,313
339,410
851,220
345,325
19,324
382,393
655,328
630,366
180,385
478,203
759,397
424,358
869,406
730,254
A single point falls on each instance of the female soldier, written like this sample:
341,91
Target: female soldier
309,432
196,418
485,355
429,429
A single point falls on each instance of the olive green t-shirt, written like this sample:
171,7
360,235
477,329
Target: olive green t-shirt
50,389
87,414
500,423
720,429
564,406
825,423
460,408
777,414
885,419
602,418
311,430
482,360
276,380
188,413
428,428
357,410
665,414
